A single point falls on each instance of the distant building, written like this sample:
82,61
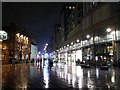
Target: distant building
34,50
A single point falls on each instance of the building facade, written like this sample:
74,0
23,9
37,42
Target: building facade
91,32
16,47
34,50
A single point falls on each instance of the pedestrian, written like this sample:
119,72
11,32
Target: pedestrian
13,62
50,64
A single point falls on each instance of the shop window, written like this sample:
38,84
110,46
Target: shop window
4,48
0,46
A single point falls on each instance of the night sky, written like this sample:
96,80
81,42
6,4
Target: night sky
38,18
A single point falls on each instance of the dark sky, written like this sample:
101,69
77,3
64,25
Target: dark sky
38,18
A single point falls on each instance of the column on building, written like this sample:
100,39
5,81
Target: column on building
118,43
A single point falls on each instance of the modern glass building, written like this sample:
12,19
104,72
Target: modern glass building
90,32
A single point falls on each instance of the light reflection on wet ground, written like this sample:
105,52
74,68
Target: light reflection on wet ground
29,76
15,76
92,78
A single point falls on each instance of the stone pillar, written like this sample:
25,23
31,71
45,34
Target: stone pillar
82,54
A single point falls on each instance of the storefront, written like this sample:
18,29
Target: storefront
3,48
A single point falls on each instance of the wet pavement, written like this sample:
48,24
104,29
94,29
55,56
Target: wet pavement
32,76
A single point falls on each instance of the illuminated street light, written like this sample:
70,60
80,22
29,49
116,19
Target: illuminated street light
67,44
71,43
88,36
44,49
77,40
108,29
18,34
39,52
70,7
46,44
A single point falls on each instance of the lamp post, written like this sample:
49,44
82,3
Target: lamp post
108,30
88,37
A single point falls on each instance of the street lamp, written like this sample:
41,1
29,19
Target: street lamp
67,45
71,43
88,36
39,52
46,44
108,30
77,40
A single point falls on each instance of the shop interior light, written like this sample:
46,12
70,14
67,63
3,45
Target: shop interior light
96,37
18,34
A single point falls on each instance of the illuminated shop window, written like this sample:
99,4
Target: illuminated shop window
0,46
4,48
18,37
21,38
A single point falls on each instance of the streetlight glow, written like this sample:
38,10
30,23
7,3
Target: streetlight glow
77,40
108,30
67,44
46,44
39,52
71,43
88,36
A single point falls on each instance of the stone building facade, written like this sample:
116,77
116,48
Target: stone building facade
17,47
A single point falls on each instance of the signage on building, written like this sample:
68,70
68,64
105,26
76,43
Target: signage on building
3,35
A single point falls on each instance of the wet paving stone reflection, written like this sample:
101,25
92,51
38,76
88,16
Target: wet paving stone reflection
30,76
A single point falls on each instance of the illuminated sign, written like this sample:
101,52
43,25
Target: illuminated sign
3,35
